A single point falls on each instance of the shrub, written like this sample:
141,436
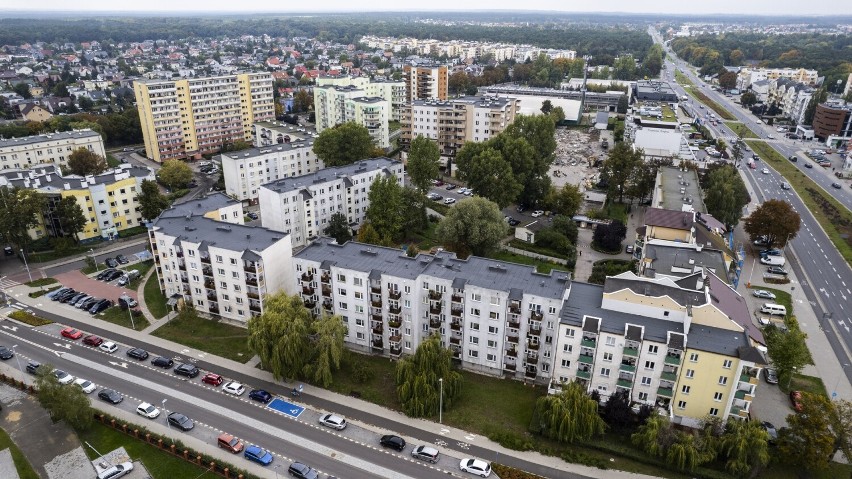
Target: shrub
29,318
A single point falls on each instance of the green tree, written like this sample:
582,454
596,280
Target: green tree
20,210
540,132
819,96
488,174
608,237
385,210
748,99
654,436
807,442
725,195
85,103
788,351
151,201
367,234
329,332
422,166
728,80
566,226
417,379
71,217
653,61
84,162
175,174
566,200
618,168
238,145
280,335
338,228
683,453
841,425
623,103
473,226
745,444
68,403
774,219
569,416
22,89
413,211
737,151
546,107
343,144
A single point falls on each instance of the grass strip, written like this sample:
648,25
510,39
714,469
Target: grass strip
29,318
741,129
22,466
207,335
155,300
719,109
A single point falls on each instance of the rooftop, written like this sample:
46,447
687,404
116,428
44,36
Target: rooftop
673,185
203,205
490,101
665,218
62,135
674,260
193,227
328,174
49,179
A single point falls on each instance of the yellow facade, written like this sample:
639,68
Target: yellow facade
187,119
143,105
127,216
670,234
702,373
246,104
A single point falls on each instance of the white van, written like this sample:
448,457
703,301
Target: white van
785,185
773,260
772,308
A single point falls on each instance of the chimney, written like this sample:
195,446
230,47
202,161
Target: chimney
67,186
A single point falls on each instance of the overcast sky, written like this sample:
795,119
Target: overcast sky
766,7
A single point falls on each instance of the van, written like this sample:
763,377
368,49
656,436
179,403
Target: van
774,309
127,277
785,185
773,260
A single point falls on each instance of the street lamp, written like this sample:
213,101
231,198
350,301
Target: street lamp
130,313
93,259
26,265
441,402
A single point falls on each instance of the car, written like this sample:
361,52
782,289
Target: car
64,296
537,213
762,293
808,165
426,453
103,274
252,215
82,300
776,270
514,222
116,471
111,262
126,302
180,421
63,377
212,379
520,208
333,421
301,471
89,303
98,307
229,443
771,137
438,183
92,340
235,388
147,410
836,185
162,362
110,396
437,197
256,454
628,249
260,395
770,429
393,442
187,369
794,158
71,333
73,299
765,171
87,386
6,353
796,400
115,274
449,201
108,347
770,375
57,292
475,466
771,252
451,187
137,353
122,259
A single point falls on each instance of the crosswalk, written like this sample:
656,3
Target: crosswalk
6,283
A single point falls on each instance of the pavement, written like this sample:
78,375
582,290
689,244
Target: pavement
7,465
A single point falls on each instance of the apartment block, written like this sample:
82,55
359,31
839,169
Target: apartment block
29,151
426,82
283,152
497,318
747,76
110,201
302,206
454,122
686,346
188,118
392,91
833,122
222,267
335,105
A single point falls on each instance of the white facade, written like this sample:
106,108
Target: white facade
245,171
19,153
302,206
334,105
747,76
394,92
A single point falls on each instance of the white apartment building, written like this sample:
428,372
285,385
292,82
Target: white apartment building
302,206
334,105
791,96
21,153
747,76
223,268
394,92
497,318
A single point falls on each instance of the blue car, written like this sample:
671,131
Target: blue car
260,395
258,455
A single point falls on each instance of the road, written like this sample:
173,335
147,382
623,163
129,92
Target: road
824,274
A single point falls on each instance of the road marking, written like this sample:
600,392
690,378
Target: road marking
60,345
119,365
10,328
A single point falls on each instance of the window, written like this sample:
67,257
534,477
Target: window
727,364
218,258
607,356
341,291
359,308
681,404
474,326
359,322
491,357
610,340
220,271
649,364
494,315
341,278
566,363
566,348
723,380
473,340
605,372
690,373
357,281
569,333
714,411
685,389
359,335
474,311
717,396
233,261
653,348
495,301
492,343
342,305
551,310
643,396
492,329
693,357
646,380
473,353
359,295
476,297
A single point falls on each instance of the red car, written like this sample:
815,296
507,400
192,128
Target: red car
93,340
212,379
796,399
71,333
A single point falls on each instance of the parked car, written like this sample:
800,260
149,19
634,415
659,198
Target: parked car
628,249
537,213
137,353
475,466
235,388
82,300
260,395
451,187
762,293
57,292
6,353
100,306
63,377
110,396
212,379
180,421
162,362
72,300
514,222
116,471
437,197
229,443
71,333
64,295
252,215
794,158
103,274
92,340
776,270
111,262
808,165
187,369
126,302
32,367
426,453
333,421
147,410
771,252
127,277
301,471
393,442
116,273
449,201
108,347
122,259
87,386
89,303
770,429
258,455
836,185
770,375
796,399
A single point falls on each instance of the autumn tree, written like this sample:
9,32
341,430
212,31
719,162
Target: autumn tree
728,80
419,379
423,163
83,162
566,200
344,144
808,442
175,174
775,220
474,226
748,99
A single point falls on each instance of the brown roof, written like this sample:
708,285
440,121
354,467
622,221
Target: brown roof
733,305
681,220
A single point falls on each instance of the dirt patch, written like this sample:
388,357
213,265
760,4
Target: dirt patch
575,156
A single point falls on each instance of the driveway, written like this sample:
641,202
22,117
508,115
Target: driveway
84,284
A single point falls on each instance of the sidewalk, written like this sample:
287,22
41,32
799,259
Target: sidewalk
456,439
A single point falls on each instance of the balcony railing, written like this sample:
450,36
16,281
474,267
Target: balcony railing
510,367
328,305
455,326
214,309
376,289
512,353
535,330
394,323
667,392
395,294
308,290
457,298
627,367
530,374
624,383
455,340
434,323
307,276
589,343
205,260
584,358
207,271
631,351
376,317
532,359
376,304
533,346
249,268
435,309
378,344
326,291
395,351
435,295
255,307
395,309
310,304
457,312
512,339
251,281
326,278
536,315
674,360
584,374
514,309
668,376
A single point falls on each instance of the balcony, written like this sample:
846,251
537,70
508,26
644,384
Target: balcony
434,323
535,330
510,367
625,383
394,323
376,289
628,351
744,395
627,367
536,315
255,308
435,295
512,339
584,374
457,312
210,285
457,298
668,376
378,329
251,280
515,308
532,359
395,339
376,304
252,295
673,360
307,276
310,304
395,294
376,317
326,278
214,309
307,290
455,326
378,344
514,324
512,353
436,309
326,291
205,259
585,358
749,378
533,346
666,392
397,351
530,374
589,343
327,304
206,271
395,309
249,268
455,340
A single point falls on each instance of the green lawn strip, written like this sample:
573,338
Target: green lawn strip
802,382
683,79
719,109
136,230
425,239
610,267
41,292
29,318
155,300
781,297
541,265
143,268
210,336
439,207
24,468
532,248
43,256
779,470
834,218
41,282
740,129
121,317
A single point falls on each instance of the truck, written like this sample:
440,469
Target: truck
751,163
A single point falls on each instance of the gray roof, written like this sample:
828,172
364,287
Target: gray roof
665,258
656,289
195,228
481,272
296,183
674,219
19,177
669,185
733,305
62,135
203,205
369,99
481,101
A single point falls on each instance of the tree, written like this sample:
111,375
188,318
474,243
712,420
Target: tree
338,228
540,132
654,436
653,62
151,201
417,379
684,453
302,101
71,218
343,144
622,104
68,403
423,164
608,237
85,103
807,442
385,210
745,444
737,151
557,115
22,89
617,412
728,80
748,99
280,335
175,174
788,350
367,234
569,416
84,162
565,201
819,96
725,195
238,145
329,332
566,226
20,210
621,161
841,425
775,220
546,107
488,174
473,226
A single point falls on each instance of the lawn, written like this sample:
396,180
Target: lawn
29,318
740,129
541,265
143,268
781,297
208,335
24,468
155,300
682,79
426,239
41,282
802,382
121,317
834,218
533,248
43,256
719,109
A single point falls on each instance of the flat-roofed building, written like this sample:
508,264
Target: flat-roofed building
29,151
335,105
392,91
426,82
